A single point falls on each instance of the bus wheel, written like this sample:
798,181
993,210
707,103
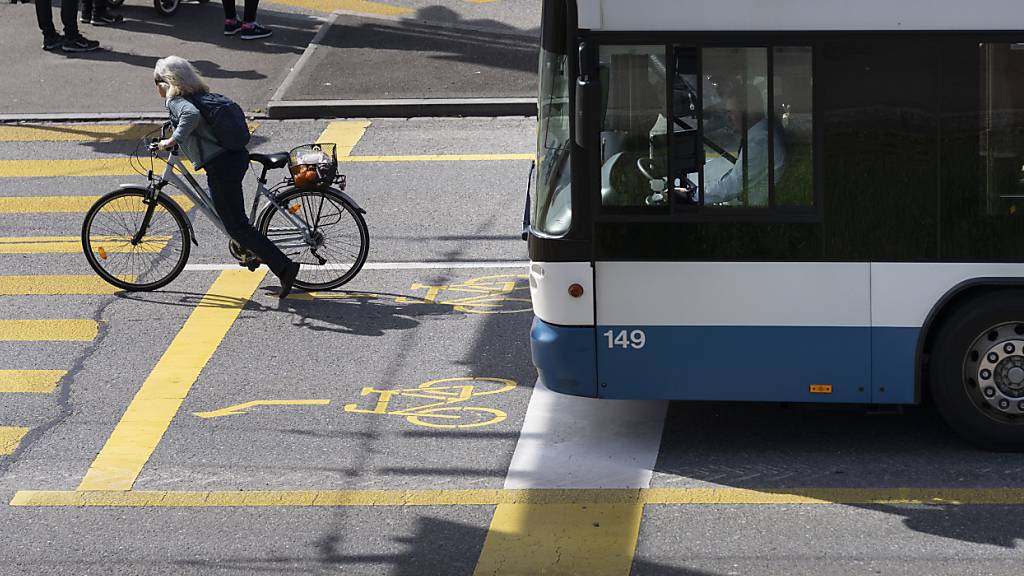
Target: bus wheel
977,370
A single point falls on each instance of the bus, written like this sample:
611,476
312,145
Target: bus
810,201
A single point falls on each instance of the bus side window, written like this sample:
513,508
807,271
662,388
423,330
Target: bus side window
634,162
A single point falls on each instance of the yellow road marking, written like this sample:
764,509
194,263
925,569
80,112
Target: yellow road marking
345,134
362,6
72,244
10,438
499,497
57,285
119,167
75,132
73,167
64,204
596,539
32,381
48,330
80,132
242,408
150,413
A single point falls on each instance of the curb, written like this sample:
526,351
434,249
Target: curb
404,108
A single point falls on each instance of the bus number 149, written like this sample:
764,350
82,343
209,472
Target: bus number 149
625,340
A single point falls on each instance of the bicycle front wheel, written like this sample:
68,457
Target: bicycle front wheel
338,241
114,249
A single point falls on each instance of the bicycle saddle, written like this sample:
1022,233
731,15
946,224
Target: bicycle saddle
270,161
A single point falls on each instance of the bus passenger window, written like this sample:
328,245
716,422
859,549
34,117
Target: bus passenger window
1002,127
634,156
736,141
791,88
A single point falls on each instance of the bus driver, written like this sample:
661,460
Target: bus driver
752,156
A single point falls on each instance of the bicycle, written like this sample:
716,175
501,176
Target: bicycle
139,239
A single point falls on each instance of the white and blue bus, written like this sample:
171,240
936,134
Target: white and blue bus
802,201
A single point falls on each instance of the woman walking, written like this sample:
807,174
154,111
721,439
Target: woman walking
177,81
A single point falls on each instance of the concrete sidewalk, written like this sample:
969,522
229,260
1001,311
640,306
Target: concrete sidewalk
359,66
342,66
119,78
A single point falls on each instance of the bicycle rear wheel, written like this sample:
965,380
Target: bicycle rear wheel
340,240
110,246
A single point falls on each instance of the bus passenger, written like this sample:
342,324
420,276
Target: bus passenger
753,154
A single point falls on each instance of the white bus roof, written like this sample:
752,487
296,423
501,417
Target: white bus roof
766,15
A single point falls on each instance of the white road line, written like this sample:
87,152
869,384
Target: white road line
572,442
387,265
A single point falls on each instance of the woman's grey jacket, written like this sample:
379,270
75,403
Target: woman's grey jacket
192,133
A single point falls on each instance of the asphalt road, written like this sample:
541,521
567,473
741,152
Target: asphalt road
302,445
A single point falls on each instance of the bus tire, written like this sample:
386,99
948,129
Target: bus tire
976,370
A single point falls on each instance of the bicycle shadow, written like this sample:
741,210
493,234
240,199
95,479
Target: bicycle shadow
358,313
361,313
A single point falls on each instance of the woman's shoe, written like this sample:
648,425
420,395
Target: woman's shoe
287,279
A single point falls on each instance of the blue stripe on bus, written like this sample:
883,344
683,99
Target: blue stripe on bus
741,363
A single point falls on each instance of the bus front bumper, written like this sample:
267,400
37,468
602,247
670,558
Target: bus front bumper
565,357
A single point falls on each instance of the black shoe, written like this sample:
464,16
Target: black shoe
79,44
231,27
287,279
52,42
107,19
254,31
85,17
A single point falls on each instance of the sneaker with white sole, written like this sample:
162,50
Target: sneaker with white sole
253,30
231,27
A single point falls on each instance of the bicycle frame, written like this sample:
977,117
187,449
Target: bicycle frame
188,185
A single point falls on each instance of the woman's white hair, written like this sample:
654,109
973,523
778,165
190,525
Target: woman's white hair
180,77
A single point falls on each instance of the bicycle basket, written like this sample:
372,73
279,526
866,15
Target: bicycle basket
313,166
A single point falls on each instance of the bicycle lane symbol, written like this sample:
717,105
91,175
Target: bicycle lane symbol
501,294
444,408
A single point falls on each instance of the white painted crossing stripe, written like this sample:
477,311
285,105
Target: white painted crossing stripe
572,442
386,265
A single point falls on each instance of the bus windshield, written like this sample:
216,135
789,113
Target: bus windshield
552,203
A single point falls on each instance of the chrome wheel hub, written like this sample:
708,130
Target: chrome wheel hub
994,371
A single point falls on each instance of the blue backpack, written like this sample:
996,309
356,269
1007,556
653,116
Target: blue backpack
225,117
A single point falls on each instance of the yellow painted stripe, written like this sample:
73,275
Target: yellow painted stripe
10,438
57,285
150,413
533,497
81,132
75,132
440,158
594,539
72,244
64,204
72,167
31,381
345,134
361,6
120,167
48,330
